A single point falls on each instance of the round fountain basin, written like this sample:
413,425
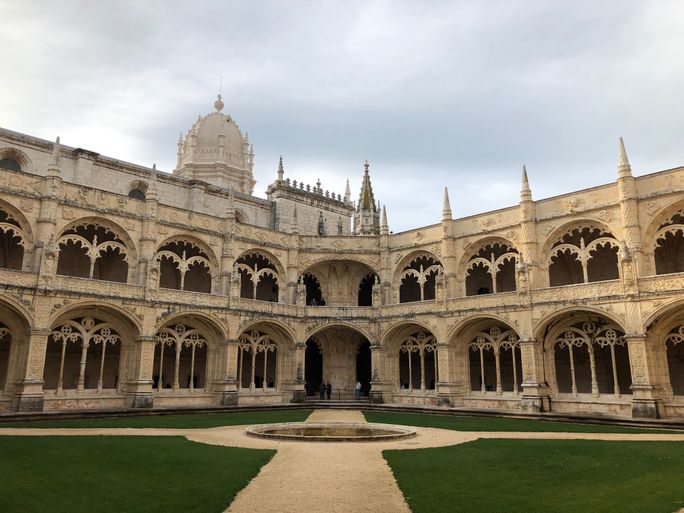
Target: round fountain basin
331,432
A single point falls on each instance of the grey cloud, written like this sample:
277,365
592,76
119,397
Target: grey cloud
431,93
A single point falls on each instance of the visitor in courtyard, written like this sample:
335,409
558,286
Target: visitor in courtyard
322,389
357,391
328,389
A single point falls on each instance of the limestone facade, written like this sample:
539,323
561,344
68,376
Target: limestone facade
127,287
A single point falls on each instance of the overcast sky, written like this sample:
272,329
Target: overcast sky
431,93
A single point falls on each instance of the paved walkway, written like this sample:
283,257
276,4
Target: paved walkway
330,477
310,477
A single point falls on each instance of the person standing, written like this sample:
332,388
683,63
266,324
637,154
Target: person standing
357,390
329,389
322,389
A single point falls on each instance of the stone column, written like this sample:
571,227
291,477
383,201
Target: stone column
379,384
28,389
226,380
139,384
535,396
644,404
299,390
446,388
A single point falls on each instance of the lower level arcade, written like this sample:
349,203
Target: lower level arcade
579,361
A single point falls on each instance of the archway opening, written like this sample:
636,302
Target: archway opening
366,290
345,355
314,295
363,366
313,367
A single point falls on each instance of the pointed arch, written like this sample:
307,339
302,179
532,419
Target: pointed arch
581,252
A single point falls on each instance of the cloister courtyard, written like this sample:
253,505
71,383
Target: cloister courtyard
206,463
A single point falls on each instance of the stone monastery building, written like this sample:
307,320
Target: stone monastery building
124,287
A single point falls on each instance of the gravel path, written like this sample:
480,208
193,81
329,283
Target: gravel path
311,477
330,477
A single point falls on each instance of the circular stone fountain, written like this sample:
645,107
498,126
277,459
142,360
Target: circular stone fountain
331,432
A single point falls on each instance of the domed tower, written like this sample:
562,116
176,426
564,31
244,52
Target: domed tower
215,151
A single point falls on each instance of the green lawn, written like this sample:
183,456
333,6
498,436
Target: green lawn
92,474
542,476
462,423
192,421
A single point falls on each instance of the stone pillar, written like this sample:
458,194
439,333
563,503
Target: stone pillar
644,404
226,382
299,389
28,389
446,388
139,385
535,396
379,386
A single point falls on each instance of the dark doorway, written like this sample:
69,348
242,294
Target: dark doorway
313,367
363,367
366,290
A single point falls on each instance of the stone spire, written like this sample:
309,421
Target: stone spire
446,207
152,187
623,168
55,166
366,198
384,227
347,193
525,191
281,170
367,214
179,151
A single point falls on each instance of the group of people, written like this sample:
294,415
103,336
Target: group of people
326,390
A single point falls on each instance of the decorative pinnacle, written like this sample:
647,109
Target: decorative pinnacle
365,167
446,207
624,169
347,192
525,191
218,104
56,161
384,227
152,187
281,169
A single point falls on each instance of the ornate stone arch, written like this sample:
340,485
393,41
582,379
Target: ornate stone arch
215,329
419,269
89,347
314,330
10,152
195,241
261,275
15,321
185,263
15,232
664,240
273,326
269,255
130,324
491,263
586,353
86,241
592,257
541,326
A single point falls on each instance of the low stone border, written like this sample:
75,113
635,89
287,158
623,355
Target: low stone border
326,432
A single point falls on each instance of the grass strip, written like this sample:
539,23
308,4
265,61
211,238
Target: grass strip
465,423
101,474
185,421
542,476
